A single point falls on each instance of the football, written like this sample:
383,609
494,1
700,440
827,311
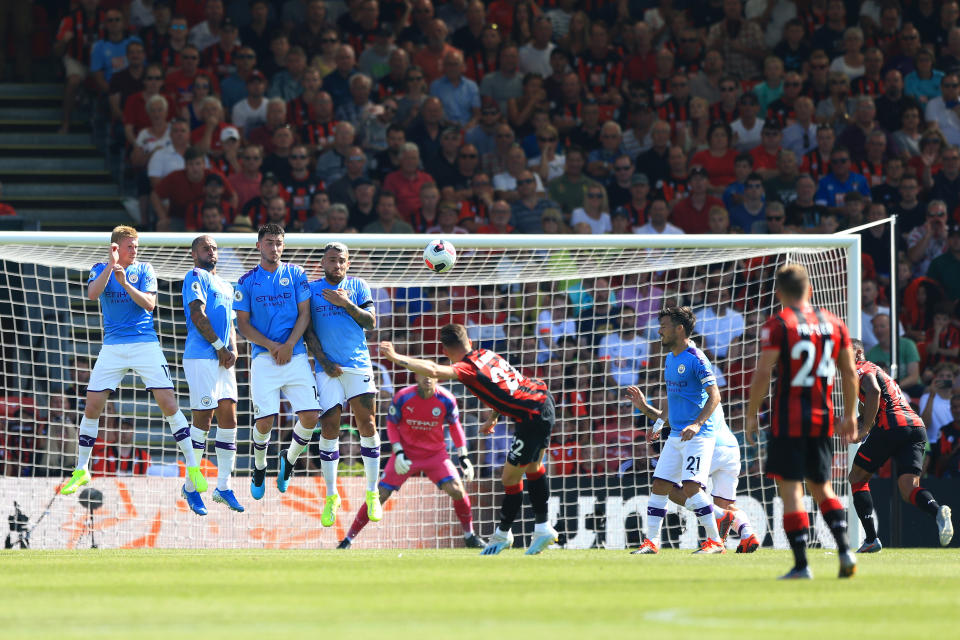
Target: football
439,256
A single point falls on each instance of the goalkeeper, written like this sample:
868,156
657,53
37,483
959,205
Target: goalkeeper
415,424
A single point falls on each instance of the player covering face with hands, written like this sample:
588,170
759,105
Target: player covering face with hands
507,392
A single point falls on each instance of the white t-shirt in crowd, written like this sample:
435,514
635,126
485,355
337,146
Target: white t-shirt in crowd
597,225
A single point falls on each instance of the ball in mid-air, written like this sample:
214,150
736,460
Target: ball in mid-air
439,256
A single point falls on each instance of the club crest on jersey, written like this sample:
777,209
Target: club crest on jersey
392,410
256,410
206,401
196,287
132,278
436,412
284,282
681,368
238,295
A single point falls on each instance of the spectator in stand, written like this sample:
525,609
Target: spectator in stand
180,80
625,351
742,167
803,214
936,400
207,33
534,56
484,135
235,86
908,208
129,81
893,103
426,215
841,180
727,108
600,161
430,57
653,162
443,165
174,193
308,34
593,217
923,83
459,95
945,267
448,214
154,137
300,185
276,118
427,129
835,108
170,158
364,211
816,162
946,183
776,219
691,213
211,219
943,110
135,117
388,220
719,221
658,215
288,83
707,81
388,160
908,357
783,186
851,62
765,154
213,196
406,182
942,339
358,106
771,89
943,459
927,241
507,81
718,158
256,208
618,189
719,324
332,163
505,184
207,136
747,128
871,82
337,82
499,219
373,127
246,182
869,309
343,189
529,207
739,40
856,134
75,36
749,215
220,57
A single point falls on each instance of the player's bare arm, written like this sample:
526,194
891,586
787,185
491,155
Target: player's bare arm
282,353
871,399
487,427
316,348
341,298
251,334
713,401
95,288
658,416
849,382
424,367
143,299
759,388
199,318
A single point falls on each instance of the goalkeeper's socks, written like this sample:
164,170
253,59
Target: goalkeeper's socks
370,454
87,437
700,504
198,437
358,523
298,443
512,501
226,447
796,525
656,512
863,503
260,443
464,511
539,492
836,518
742,524
181,433
924,500
329,459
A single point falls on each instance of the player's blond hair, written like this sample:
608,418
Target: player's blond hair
792,280
123,231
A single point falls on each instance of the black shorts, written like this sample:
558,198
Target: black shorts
532,436
800,458
904,444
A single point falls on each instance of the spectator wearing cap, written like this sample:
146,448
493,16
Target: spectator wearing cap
220,57
226,158
250,112
636,207
483,135
944,109
388,217
174,193
448,214
527,210
620,221
748,127
460,95
945,267
765,154
507,81
214,195
750,214
207,33
929,240
405,183
548,163
691,213
233,87
499,219
246,181
342,190
332,163
569,190
840,180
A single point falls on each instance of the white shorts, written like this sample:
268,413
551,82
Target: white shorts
725,472
688,461
74,67
268,379
338,391
145,359
209,383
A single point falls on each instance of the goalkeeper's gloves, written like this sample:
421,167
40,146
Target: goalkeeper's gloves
466,467
400,461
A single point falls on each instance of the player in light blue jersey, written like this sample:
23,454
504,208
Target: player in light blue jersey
691,411
342,310
272,302
208,362
127,291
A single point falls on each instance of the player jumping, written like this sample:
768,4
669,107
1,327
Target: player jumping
508,392
208,362
692,404
898,432
273,311
415,425
807,346
341,310
127,291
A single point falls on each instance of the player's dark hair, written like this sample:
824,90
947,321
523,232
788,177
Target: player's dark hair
857,345
271,229
196,241
680,316
454,335
192,153
792,280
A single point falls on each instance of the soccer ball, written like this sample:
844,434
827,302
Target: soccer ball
439,256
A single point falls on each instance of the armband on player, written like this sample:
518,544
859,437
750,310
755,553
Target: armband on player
217,344
658,426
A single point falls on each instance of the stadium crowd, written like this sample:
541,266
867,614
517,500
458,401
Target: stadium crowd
603,116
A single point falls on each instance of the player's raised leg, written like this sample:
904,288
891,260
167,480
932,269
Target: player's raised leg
364,412
86,439
329,461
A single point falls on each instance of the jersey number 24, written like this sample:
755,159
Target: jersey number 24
806,352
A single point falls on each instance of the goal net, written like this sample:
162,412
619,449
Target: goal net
579,312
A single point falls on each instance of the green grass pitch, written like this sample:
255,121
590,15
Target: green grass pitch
198,595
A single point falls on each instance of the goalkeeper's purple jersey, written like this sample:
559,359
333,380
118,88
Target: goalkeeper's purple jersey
124,321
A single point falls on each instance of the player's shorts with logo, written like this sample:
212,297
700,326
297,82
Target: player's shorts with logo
686,461
725,472
906,445
145,359
804,458
532,436
437,467
209,382
338,391
294,379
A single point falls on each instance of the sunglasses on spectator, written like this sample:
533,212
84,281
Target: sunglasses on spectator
114,20
951,85
357,158
526,181
490,112
937,214
178,27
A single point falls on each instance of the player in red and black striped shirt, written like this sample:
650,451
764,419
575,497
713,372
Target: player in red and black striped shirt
807,346
896,432
507,392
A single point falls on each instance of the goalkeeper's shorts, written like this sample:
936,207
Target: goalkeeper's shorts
437,467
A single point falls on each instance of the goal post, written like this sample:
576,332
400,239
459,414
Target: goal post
578,311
